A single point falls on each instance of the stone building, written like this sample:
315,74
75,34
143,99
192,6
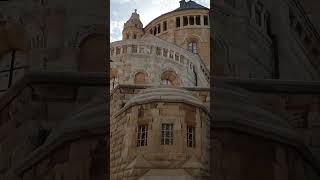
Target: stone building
262,126
53,106
159,81
265,100
260,39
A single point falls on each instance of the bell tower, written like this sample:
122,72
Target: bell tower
133,28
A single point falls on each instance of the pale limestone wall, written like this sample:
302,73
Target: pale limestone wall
183,34
128,161
151,59
123,93
152,56
246,48
123,150
54,30
37,131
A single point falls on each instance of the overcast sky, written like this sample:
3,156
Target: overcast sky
121,10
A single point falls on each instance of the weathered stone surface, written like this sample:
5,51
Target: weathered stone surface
184,110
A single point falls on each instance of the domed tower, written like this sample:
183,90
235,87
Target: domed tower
133,28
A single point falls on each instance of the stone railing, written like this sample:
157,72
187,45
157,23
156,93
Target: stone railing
163,49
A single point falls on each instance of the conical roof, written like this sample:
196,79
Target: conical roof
184,5
134,21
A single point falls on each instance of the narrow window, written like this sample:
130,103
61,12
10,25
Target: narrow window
124,49
182,59
134,36
159,28
198,20
205,20
118,50
164,25
268,23
38,42
112,51
142,139
167,134
191,19
185,20
191,136
258,16
134,49
192,47
165,52
292,17
150,31
141,49
177,21
158,51
176,57
127,36
171,54
154,31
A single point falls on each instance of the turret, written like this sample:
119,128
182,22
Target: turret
133,28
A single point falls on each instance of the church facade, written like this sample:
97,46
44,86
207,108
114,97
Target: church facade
160,79
263,120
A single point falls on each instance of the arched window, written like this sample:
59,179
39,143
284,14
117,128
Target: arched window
192,47
139,78
166,82
169,78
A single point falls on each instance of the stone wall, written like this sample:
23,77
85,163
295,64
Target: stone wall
182,35
123,93
258,148
153,56
264,47
129,161
242,156
44,132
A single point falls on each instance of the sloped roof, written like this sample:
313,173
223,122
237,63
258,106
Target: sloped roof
189,5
